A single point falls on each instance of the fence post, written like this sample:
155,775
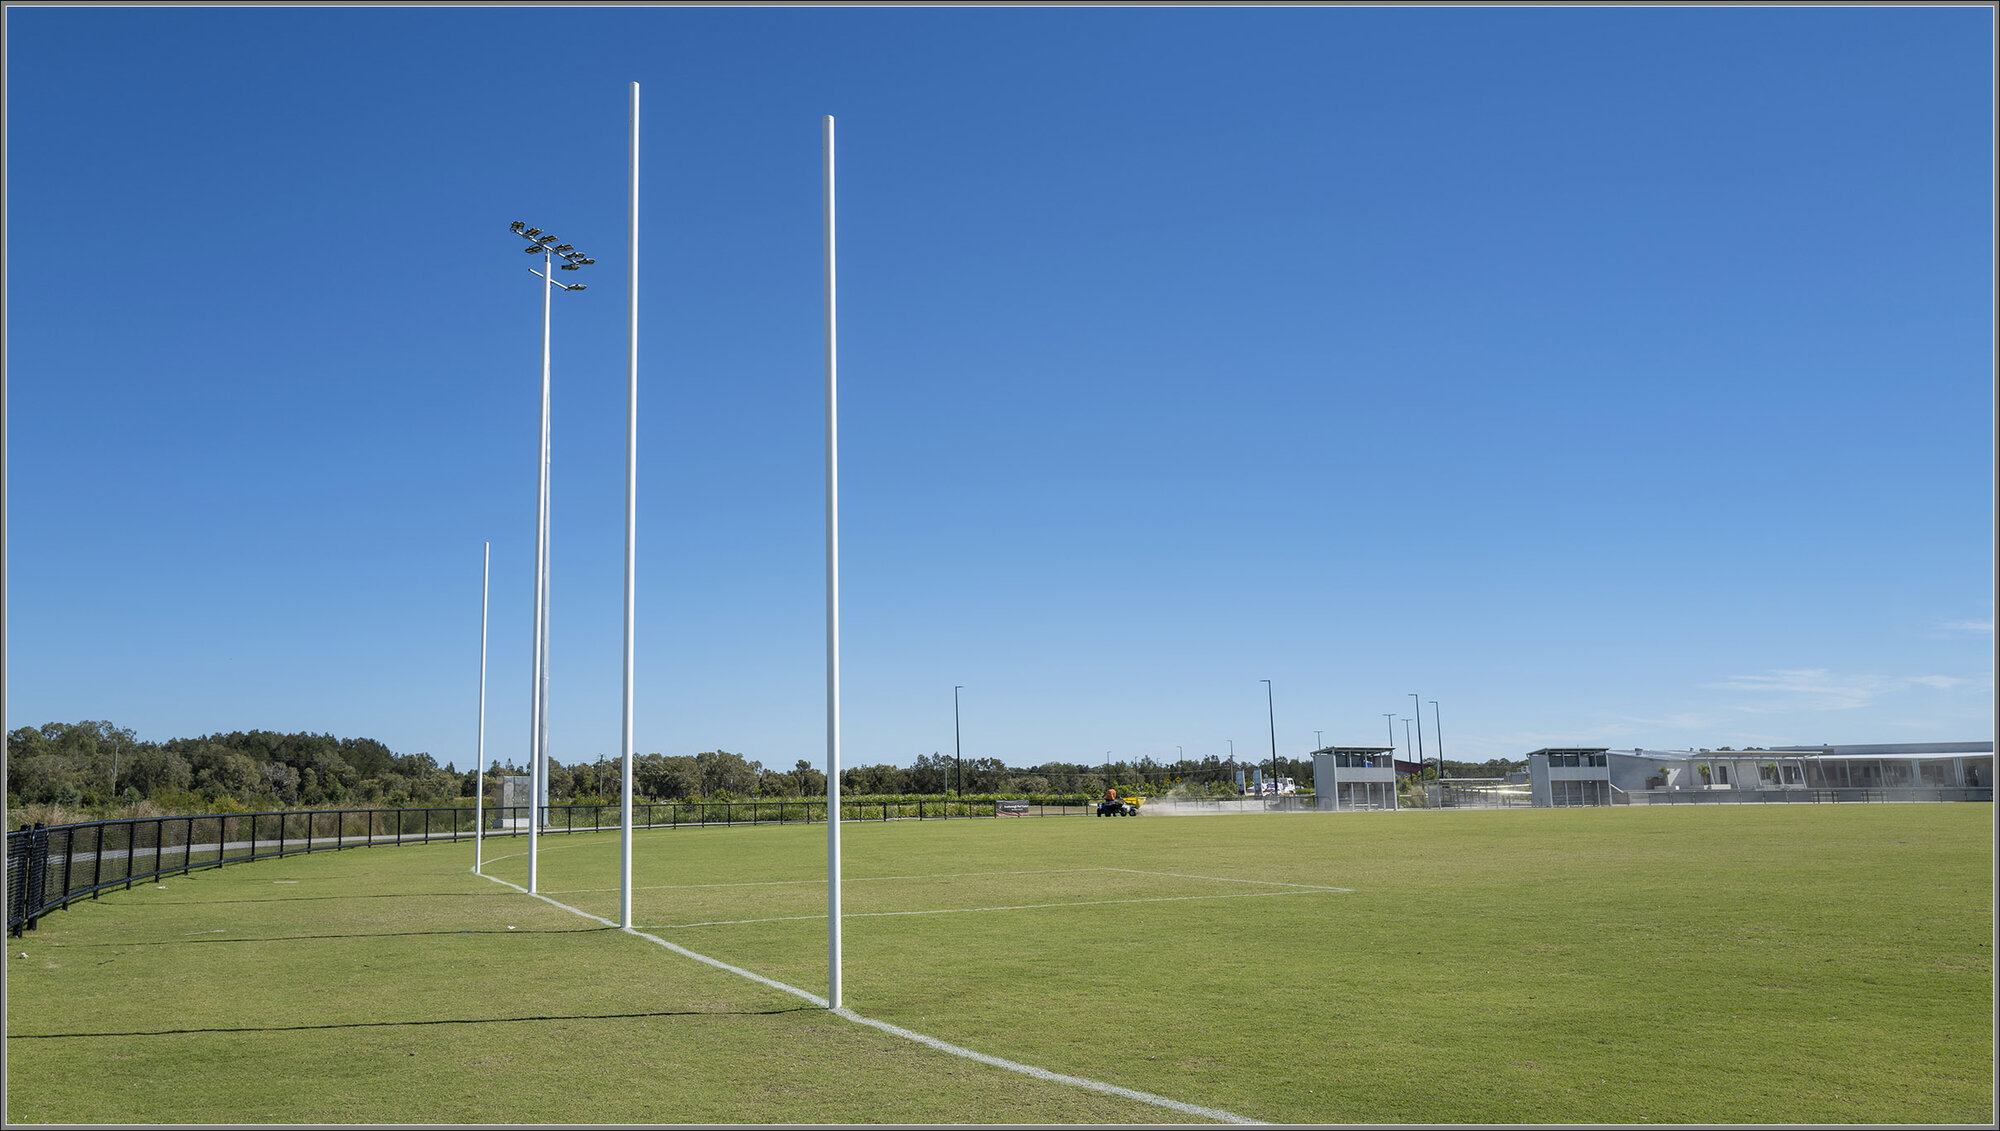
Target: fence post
97,862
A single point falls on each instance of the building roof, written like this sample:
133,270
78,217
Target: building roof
1902,750
1894,749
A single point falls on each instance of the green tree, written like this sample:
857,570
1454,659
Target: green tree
722,772
932,773
810,781
222,772
669,778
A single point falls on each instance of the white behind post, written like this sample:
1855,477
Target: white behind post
631,509
832,603
479,763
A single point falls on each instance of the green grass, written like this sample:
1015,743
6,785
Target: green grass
1734,964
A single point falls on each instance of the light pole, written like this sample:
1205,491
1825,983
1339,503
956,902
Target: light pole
1406,743
1439,720
1316,741
1391,716
1420,733
538,715
1273,712
956,749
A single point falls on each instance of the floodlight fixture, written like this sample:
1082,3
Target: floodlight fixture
564,247
547,239
531,233
517,226
531,250
570,267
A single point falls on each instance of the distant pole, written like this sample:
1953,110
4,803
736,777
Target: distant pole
1439,720
1406,741
1317,745
1274,735
957,750
631,510
832,594
1391,716
1420,733
538,713
479,766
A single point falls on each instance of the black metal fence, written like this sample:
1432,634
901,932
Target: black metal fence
50,867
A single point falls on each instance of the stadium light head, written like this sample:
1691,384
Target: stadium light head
517,225
531,250
532,232
570,267
564,247
576,286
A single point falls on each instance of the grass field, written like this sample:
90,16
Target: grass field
1728,964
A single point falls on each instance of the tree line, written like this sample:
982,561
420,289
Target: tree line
97,765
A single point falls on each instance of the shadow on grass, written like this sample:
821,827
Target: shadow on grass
308,898
435,1021
356,935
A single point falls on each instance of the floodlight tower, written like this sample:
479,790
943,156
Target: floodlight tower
541,243
1273,712
1439,720
1420,733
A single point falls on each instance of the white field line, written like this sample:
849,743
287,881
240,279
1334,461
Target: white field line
1212,1114
1229,880
1015,907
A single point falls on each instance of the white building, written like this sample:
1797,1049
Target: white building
1348,778
1903,771
1563,776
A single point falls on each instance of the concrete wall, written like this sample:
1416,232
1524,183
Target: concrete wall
1541,775
1328,777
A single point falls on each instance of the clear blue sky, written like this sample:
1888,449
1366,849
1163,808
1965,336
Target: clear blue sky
1618,376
